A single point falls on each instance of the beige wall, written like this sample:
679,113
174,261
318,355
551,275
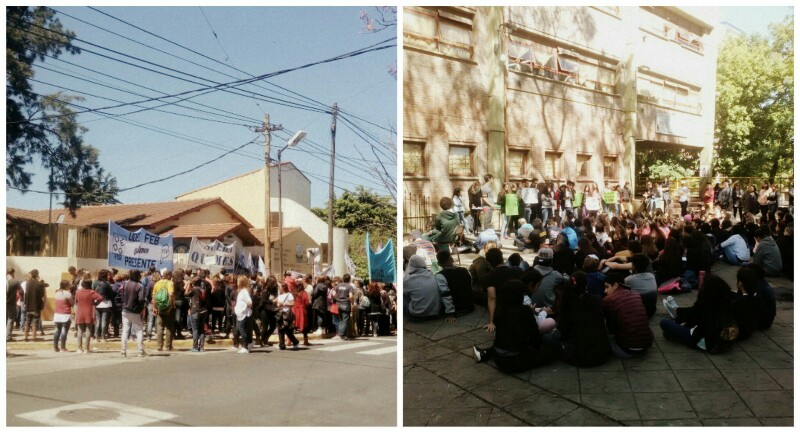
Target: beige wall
213,214
447,100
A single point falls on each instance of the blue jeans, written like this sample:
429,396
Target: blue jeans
730,256
545,214
101,326
245,331
178,316
344,319
198,337
61,334
151,320
675,331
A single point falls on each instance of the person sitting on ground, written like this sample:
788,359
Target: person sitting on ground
421,247
546,295
444,225
746,304
425,294
765,295
484,237
563,257
458,281
701,325
516,260
626,318
581,338
734,249
670,262
568,230
595,278
479,269
537,237
766,254
643,282
496,281
517,345
533,279
522,239
584,249
786,247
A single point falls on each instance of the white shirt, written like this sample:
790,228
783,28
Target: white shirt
241,309
286,299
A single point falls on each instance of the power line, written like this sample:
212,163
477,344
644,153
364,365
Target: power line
227,56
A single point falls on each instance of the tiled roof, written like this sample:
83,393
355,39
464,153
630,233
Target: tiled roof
273,233
128,215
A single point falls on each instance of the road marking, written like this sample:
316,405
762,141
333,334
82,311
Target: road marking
381,351
340,347
128,415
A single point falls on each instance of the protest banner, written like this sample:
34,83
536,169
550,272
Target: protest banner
381,265
205,255
138,250
349,264
610,197
578,202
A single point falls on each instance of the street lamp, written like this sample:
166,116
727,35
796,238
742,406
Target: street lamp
296,138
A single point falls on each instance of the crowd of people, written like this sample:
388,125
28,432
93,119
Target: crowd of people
599,268
164,305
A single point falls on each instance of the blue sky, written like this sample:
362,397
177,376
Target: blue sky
754,19
257,40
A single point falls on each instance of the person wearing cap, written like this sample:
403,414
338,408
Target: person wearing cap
546,295
425,295
626,318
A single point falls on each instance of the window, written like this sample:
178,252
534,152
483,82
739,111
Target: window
459,162
517,163
610,167
662,23
552,165
542,59
582,165
444,30
667,93
413,158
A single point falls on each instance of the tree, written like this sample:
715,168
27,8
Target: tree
754,133
384,17
359,212
661,164
44,127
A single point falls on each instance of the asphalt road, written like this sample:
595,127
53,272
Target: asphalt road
330,384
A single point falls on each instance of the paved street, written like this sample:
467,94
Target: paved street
332,383
671,385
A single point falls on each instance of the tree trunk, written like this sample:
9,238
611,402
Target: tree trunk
774,169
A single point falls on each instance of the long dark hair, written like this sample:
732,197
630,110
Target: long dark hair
511,297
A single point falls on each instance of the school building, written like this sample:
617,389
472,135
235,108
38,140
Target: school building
555,93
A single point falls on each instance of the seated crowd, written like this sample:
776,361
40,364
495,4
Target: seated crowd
592,289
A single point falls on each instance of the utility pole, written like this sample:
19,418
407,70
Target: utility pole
267,130
330,186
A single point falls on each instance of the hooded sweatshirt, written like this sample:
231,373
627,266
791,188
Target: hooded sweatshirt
423,292
446,223
768,256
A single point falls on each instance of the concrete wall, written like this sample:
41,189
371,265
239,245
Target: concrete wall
51,270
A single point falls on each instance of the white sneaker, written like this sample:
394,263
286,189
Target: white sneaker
249,347
671,306
477,353
242,350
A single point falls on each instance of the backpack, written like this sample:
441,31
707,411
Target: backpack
364,302
161,295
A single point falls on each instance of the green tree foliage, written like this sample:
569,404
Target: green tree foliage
44,127
661,164
359,212
755,104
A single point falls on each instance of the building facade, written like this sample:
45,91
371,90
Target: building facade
553,93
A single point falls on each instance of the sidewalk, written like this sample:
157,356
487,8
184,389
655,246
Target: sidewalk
751,385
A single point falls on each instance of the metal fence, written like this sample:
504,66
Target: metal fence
416,212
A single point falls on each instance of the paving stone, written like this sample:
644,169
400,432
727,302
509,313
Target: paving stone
769,403
456,342
603,381
781,329
419,375
664,406
783,376
784,342
731,422
411,340
669,346
613,364
688,359
619,406
718,404
750,380
415,417
558,379
758,342
652,360
541,409
420,354
773,359
582,417
672,422
505,391
653,381
735,359
778,422
701,380
459,416
503,419
435,395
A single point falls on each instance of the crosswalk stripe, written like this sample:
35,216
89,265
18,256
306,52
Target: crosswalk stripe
340,347
381,351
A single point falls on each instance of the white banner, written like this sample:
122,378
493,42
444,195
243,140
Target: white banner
348,263
217,254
